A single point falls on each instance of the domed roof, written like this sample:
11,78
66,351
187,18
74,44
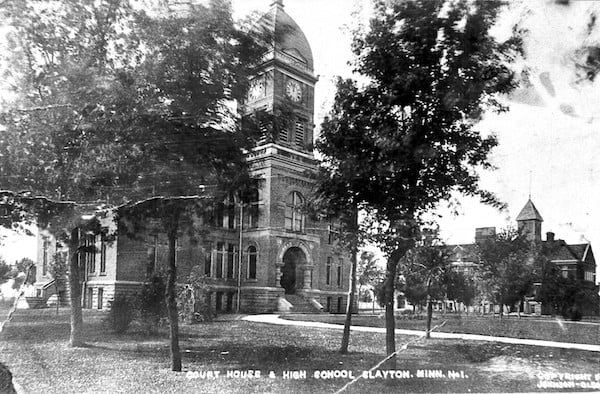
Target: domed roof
288,38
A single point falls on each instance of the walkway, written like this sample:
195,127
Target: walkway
275,319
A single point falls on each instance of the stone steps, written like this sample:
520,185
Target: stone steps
300,304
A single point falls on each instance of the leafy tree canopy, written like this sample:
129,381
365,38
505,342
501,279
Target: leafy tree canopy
406,139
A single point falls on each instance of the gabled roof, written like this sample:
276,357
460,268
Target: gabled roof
529,212
463,252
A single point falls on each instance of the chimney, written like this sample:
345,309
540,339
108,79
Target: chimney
550,236
484,233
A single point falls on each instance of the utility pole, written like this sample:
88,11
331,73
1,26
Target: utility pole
240,254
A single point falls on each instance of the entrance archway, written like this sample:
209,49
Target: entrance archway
292,259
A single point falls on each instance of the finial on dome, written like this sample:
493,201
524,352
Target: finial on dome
278,3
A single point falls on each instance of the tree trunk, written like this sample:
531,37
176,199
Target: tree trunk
429,317
390,322
76,339
429,310
352,291
171,300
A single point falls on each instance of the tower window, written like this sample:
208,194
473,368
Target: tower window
283,135
299,133
294,218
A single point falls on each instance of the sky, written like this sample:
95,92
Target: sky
548,140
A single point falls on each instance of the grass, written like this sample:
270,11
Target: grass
35,347
526,328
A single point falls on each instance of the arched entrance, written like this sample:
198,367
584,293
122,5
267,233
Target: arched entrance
292,259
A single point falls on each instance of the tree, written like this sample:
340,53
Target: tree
58,270
424,269
369,273
405,139
4,271
460,287
24,264
114,106
506,267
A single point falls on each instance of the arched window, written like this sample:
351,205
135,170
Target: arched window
252,262
294,218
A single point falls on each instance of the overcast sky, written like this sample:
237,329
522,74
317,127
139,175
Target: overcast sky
548,138
549,144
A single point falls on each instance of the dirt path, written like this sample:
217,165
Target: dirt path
275,319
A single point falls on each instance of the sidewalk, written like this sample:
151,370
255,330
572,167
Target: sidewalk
275,319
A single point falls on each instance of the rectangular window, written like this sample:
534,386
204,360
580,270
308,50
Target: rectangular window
231,214
328,305
589,276
100,296
90,298
339,273
299,133
220,259
208,259
229,305
218,214
339,305
219,302
328,271
90,253
230,260
252,262
102,254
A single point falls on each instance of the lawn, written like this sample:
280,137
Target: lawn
526,328
35,347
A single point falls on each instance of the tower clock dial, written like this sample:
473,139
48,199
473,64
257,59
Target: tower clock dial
293,91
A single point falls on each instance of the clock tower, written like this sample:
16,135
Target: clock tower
285,82
297,264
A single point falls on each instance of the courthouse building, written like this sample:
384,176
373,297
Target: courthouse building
287,261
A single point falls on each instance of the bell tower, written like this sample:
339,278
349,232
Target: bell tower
529,222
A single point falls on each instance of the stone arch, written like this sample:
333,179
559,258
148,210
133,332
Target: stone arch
294,271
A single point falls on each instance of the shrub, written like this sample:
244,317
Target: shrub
121,314
152,305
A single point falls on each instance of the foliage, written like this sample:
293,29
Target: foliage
194,298
24,264
460,287
564,294
112,105
121,313
152,306
369,272
507,265
405,139
5,270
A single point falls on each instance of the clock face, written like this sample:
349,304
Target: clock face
257,89
293,90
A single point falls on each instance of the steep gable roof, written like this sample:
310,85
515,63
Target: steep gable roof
529,212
